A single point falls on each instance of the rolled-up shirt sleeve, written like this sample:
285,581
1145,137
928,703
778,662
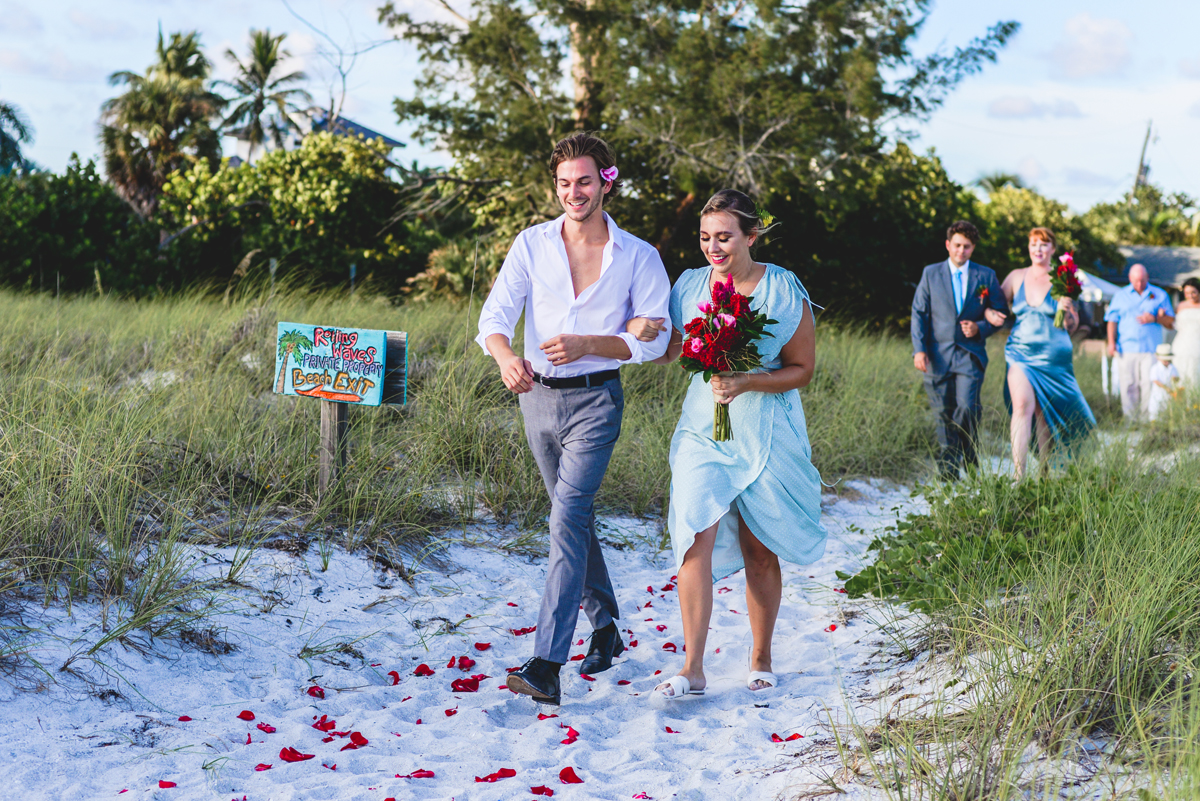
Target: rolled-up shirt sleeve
506,301
649,296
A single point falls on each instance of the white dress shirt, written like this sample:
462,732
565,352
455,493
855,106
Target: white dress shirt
964,274
536,279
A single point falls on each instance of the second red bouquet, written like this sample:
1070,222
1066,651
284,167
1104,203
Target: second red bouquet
1064,283
722,340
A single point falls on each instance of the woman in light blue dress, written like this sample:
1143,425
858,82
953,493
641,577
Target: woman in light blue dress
748,501
1041,391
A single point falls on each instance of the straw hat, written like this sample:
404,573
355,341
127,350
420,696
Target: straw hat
1163,351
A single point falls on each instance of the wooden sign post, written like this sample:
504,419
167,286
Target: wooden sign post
340,366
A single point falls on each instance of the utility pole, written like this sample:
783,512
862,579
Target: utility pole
1143,168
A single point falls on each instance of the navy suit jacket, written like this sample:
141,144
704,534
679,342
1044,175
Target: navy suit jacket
935,319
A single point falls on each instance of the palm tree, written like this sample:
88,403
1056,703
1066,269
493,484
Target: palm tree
161,123
290,342
258,88
990,182
14,129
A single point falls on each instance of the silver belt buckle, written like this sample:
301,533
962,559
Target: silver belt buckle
541,379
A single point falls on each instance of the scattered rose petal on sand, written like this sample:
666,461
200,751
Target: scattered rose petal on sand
643,797
510,603
623,682
577,657
465,663
512,670
418,723
482,646
356,741
395,675
417,774
290,754
545,717
248,738
331,767
523,631
670,646
661,627
266,728
568,776
503,773
245,714
832,627
668,587
671,731
586,677
184,719
262,766
423,670
633,643
325,724
723,590
453,662
163,784
406,698
316,692
572,735
541,790
657,672
451,712
465,685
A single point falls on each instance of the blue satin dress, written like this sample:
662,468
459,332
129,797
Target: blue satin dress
1044,354
765,473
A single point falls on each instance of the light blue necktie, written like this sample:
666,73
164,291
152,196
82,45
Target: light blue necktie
957,275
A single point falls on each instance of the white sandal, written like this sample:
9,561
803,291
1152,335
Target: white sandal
679,686
766,677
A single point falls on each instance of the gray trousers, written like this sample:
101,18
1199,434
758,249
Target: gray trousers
1133,378
954,397
572,433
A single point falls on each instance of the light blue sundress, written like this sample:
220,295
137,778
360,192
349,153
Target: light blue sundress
765,472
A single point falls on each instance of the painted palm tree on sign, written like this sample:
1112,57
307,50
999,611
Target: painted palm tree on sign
259,87
14,129
289,343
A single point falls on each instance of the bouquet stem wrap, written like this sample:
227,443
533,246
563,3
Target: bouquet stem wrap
721,342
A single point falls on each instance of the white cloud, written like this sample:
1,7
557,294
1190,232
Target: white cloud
55,66
1092,48
1189,68
18,20
1030,170
1024,107
101,28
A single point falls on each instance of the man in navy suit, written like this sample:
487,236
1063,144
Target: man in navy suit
949,329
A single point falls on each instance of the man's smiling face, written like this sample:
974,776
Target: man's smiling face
580,188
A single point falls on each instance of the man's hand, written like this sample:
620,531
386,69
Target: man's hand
646,329
921,362
995,317
1112,349
1147,318
516,373
565,348
969,328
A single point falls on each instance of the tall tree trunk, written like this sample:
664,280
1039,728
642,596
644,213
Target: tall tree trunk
587,39
283,370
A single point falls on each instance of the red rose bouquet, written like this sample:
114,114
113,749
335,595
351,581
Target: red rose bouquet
1064,283
721,340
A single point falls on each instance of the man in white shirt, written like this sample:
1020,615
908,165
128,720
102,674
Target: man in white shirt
579,279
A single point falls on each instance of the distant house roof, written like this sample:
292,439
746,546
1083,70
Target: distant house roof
1169,267
348,127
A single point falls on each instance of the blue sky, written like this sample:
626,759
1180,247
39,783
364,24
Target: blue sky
1066,106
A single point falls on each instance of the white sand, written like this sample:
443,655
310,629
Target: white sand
113,725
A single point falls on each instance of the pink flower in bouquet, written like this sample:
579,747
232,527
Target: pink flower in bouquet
727,320
705,307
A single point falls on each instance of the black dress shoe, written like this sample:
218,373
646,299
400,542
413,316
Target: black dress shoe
537,678
606,645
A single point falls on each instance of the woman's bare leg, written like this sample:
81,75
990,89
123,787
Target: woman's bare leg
1045,440
764,591
695,604
1024,403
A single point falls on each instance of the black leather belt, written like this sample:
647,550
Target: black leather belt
576,381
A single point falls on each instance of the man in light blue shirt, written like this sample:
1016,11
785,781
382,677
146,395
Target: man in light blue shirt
1136,318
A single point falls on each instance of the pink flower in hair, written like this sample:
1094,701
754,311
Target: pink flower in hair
609,174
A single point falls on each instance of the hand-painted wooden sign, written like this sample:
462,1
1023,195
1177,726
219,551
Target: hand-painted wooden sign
347,365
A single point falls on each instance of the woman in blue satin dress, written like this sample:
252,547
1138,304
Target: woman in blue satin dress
755,499
1041,391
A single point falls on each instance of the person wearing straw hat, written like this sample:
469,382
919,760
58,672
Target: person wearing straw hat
1164,380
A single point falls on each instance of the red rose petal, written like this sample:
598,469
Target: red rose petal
417,774
482,646
316,692
264,727
423,670
648,605
325,724
657,672
668,587
184,718
671,731
661,627
465,685
406,698
356,741
465,663
331,767
670,646
513,669
262,766
163,784
796,736
290,754
586,677
541,790
643,797
650,590
723,590
245,714
577,657
633,643
775,738
568,776
451,712
247,738
623,682
832,627
572,735
523,631
453,660
545,717
503,773
418,722
510,603
395,677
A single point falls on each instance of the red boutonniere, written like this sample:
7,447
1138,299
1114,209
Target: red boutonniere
982,293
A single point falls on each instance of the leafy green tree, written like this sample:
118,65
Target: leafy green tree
317,209
161,123
1009,214
64,231
289,343
258,87
990,182
15,130
1150,216
772,97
